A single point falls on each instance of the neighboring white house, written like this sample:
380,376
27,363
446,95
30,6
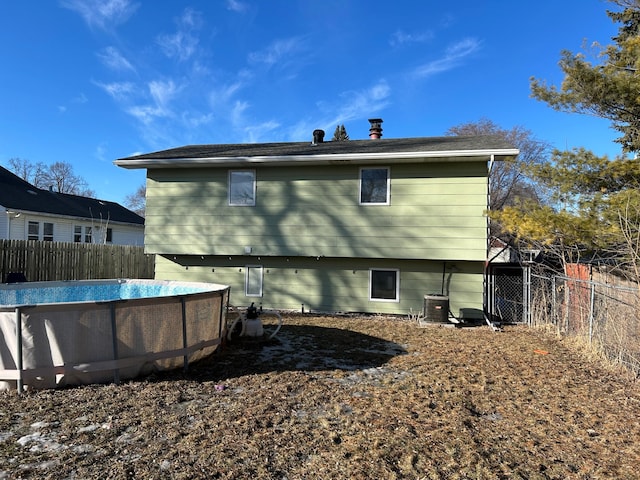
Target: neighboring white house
31,213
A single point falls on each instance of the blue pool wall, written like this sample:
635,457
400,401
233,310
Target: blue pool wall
39,293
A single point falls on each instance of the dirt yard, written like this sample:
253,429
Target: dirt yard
342,398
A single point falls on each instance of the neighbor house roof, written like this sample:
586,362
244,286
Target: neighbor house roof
451,148
19,195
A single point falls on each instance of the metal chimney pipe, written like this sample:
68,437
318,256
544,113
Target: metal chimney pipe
318,136
375,132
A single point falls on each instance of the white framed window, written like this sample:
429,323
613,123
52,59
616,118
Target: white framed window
242,188
374,186
253,277
33,231
82,234
109,237
47,232
384,285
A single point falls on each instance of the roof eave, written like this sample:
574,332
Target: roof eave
72,217
322,159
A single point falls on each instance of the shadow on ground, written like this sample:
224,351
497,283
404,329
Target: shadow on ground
296,348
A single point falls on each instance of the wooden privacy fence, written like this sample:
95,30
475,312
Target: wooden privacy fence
47,261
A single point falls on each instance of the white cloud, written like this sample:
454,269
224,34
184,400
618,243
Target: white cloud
237,112
400,38
146,114
118,90
102,13
113,59
278,50
453,57
353,105
257,133
101,151
363,103
81,98
183,43
237,6
162,92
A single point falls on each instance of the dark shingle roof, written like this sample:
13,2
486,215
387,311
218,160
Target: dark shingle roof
402,145
17,194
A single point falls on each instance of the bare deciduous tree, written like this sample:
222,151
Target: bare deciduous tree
137,201
58,176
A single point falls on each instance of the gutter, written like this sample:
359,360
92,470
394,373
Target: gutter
74,217
323,159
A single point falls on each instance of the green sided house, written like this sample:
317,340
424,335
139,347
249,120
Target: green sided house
354,226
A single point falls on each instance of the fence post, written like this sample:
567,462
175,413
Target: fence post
591,308
554,311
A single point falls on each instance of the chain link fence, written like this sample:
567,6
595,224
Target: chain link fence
605,316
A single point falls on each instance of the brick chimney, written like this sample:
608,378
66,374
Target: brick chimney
375,132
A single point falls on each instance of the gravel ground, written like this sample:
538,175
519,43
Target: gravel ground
342,398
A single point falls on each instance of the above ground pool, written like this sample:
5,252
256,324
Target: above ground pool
96,331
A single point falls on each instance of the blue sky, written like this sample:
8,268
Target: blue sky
90,81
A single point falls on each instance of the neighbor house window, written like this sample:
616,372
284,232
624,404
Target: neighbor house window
384,285
47,233
374,186
82,234
33,232
253,281
109,237
242,187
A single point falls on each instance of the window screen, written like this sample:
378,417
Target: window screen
242,187
374,186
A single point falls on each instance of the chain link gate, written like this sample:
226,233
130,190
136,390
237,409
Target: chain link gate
509,292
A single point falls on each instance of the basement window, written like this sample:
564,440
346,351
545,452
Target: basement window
253,280
242,188
384,285
374,186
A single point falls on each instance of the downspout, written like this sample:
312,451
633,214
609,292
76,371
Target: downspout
485,271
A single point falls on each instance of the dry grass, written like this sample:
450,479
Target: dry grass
342,398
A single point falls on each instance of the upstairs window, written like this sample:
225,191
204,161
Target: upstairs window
77,233
384,285
242,188
374,186
109,238
88,235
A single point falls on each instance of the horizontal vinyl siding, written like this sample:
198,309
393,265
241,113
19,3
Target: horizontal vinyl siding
63,229
330,285
436,211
